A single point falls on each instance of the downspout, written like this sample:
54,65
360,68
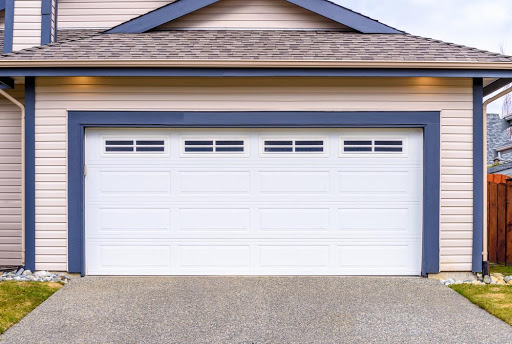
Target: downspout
485,253
22,107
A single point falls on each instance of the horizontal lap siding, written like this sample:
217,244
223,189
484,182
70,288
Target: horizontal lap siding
27,24
90,14
453,97
253,14
10,182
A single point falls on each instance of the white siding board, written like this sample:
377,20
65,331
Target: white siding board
27,24
10,181
252,14
452,97
90,14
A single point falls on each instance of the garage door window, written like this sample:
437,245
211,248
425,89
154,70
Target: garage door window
365,146
134,146
213,146
290,146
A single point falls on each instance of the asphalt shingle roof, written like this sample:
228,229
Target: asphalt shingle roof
253,46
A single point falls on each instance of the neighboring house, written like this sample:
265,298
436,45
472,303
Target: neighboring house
499,144
225,137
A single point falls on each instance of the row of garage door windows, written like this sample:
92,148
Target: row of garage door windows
191,146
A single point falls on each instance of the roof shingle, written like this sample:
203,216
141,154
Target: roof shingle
253,46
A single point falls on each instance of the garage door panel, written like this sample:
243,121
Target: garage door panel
217,182
297,219
392,257
216,256
294,182
256,213
214,219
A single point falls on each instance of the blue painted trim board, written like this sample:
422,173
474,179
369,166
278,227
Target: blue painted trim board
9,26
30,184
79,120
324,8
160,16
2,5
495,86
478,174
6,83
46,22
257,72
345,16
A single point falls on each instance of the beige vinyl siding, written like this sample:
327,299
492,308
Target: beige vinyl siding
253,14
10,181
27,24
453,97
89,14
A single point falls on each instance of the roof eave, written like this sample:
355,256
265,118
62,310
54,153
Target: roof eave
257,64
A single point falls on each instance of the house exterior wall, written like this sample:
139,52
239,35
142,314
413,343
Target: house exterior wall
27,24
453,97
252,14
92,14
10,181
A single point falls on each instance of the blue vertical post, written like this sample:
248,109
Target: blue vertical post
478,173
30,202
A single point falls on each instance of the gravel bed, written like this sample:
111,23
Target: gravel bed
22,275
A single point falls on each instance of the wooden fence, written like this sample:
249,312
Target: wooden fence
499,219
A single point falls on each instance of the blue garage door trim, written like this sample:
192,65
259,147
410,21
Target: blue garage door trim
79,120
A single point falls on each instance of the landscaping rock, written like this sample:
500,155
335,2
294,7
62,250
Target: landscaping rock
39,276
494,279
508,279
497,275
487,279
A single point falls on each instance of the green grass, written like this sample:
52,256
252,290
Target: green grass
17,299
503,269
496,299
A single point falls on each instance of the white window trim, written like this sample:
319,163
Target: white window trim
293,154
206,137
404,153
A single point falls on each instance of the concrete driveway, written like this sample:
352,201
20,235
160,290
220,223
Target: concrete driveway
257,310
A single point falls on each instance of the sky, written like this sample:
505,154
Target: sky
483,24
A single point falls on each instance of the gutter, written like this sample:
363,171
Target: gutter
485,253
5,63
22,108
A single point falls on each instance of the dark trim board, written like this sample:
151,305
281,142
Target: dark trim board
497,85
6,83
324,8
30,175
255,72
160,16
78,121
345,16
478,174
9,26
46,22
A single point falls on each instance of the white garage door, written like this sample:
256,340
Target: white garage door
253,201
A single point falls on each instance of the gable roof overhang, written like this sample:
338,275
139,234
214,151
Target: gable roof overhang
491,72
324,8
